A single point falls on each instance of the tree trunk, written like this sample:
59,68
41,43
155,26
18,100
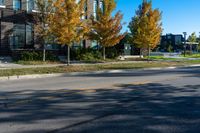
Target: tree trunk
68,55
104,53
191,49
44,53
44,46
141,54
149,52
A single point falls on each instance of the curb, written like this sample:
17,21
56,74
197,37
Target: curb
35,76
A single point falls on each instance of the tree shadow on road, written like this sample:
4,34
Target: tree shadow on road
147,108
187,71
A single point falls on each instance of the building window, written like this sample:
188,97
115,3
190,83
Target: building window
94,44
17,40
17,5
84,16
30,5
101,5
29,35
1,2
22,36
95,6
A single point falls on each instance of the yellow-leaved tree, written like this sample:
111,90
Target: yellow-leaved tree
192,39
66,23
146,27
105,28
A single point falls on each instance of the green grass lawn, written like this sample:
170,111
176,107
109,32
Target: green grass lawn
174,59
192,56
37,62
97,67
59,62
162,58
88,61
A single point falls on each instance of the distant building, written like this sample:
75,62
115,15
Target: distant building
175,43
126,48
171,42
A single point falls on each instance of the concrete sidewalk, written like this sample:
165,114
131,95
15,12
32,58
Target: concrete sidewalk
19,66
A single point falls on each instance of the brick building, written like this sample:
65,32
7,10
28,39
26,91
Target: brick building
17,28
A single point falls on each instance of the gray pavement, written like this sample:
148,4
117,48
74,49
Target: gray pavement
7,65
137,101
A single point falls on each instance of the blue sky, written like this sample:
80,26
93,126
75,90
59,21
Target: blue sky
178,15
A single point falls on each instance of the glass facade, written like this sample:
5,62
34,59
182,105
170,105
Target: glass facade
94,44
29,36
1,2
22,36
51,43
101,5
30,5
84,16
95,5
17,4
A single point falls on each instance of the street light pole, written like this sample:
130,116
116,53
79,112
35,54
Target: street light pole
185,34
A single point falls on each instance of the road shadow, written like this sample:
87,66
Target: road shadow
147,108
187,71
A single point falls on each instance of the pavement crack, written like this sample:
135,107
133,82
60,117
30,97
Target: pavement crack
81,123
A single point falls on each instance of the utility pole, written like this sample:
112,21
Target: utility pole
185,34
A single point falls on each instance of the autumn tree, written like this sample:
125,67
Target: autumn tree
192,39
105,28
66,24
44,9
146,27
198,41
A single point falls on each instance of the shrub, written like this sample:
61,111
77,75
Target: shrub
187,52
29,56
112,53
86,54
91,56
51,56
37,56
88,57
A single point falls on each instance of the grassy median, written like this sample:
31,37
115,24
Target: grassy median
97,67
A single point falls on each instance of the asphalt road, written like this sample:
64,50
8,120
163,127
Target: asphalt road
138,101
